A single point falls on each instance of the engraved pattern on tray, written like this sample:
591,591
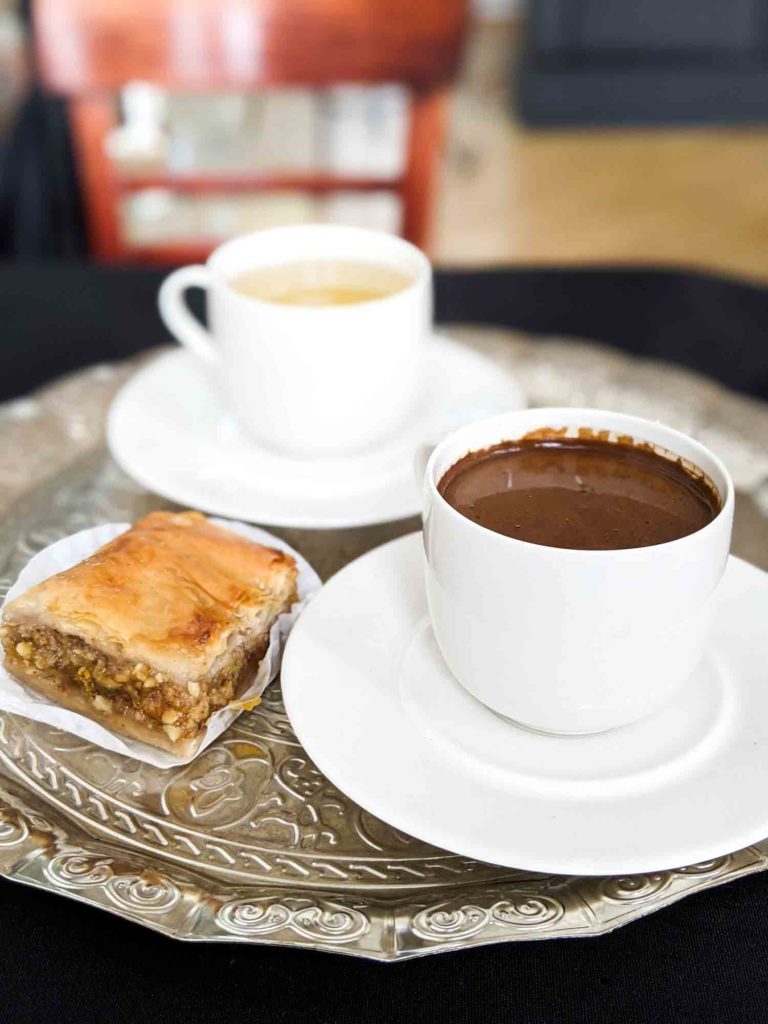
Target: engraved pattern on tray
250,842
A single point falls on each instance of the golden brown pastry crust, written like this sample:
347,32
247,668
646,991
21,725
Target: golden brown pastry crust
173,591
155,631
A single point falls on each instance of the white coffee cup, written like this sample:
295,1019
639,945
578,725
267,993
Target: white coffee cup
562,640
309,380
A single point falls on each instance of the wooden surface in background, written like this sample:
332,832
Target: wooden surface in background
507,195
693,197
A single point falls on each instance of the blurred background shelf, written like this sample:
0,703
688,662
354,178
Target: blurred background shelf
609,189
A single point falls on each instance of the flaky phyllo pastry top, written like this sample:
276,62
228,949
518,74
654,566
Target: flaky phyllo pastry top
175,591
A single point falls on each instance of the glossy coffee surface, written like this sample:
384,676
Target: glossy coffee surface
321,282
588,494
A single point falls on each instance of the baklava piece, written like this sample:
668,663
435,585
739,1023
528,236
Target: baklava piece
154,632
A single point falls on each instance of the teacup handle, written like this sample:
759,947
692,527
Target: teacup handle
185,327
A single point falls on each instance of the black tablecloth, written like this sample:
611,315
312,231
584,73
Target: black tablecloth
55,317
704,959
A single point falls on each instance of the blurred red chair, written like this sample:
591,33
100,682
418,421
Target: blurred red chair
88,49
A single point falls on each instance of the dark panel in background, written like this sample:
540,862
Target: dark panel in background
657,62
687,26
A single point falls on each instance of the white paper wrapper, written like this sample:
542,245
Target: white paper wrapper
63,554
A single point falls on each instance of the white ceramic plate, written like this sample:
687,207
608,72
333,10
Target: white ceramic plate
169,431
683,786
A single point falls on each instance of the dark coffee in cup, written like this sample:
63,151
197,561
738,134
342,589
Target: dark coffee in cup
581,492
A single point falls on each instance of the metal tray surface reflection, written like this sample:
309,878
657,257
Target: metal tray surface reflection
250,843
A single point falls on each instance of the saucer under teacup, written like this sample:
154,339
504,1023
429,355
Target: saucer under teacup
682,786
169,430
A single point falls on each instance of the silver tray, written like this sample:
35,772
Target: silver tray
250,843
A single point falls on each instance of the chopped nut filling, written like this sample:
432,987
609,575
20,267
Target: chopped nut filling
119,686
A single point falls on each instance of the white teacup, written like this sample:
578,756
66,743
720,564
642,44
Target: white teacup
562,640
309,379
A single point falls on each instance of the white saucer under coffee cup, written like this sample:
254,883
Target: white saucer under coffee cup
309,379
563,640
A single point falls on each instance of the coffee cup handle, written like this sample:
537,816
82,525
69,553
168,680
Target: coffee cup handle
175,313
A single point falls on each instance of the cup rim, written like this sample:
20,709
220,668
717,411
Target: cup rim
571,412
423,274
